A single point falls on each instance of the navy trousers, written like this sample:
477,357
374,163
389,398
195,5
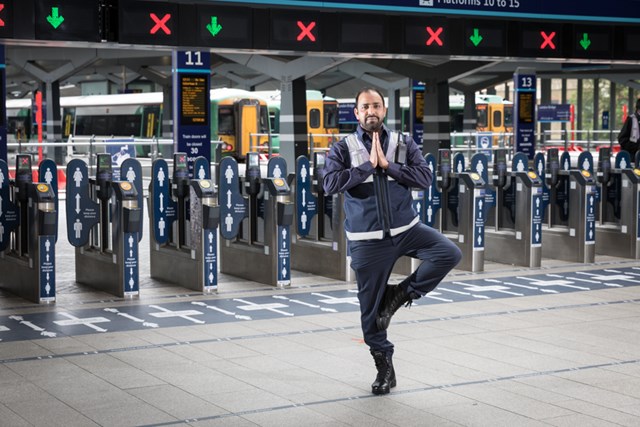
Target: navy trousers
373,261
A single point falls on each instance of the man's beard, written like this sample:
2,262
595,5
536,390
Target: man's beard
371,126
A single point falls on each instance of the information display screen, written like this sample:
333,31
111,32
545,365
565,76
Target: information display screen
526,107
194,97
23,164
104,163
180,161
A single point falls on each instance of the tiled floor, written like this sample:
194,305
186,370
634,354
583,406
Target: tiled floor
570,358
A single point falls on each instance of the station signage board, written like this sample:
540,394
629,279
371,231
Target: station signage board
192,72
490,28
611,11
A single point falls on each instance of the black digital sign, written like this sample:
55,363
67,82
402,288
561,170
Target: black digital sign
69,20
364,35
220,27
541,39
427,35
297,30
485,38
590,41
6,19
148,22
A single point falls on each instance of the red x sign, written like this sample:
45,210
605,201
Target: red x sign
547,40
1,21
305,31
160,23
434,36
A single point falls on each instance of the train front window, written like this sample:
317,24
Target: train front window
483,119
264,120
497,119
314,118
226,124
331,116
508,115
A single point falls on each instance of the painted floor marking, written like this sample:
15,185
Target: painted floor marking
184,314
221,310
88,322
252,306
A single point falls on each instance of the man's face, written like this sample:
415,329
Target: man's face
370,111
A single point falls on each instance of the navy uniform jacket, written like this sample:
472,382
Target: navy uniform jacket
377,202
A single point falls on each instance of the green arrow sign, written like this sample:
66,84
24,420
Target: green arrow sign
214,28
585,42
54,19
476,38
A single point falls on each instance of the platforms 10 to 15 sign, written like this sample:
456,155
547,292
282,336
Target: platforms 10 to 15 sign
322,29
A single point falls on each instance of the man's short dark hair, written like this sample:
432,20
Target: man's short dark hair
369,89
637,104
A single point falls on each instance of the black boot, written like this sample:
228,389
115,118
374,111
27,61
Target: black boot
386,378
394,298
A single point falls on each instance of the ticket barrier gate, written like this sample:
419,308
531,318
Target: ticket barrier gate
568,231
104,224
28,230
184,248
257,235
320,245
513,210
618,224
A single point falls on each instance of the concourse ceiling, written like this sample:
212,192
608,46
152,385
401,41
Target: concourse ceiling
340,75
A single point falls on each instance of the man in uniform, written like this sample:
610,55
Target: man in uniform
376,169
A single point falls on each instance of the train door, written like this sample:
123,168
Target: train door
224,128
331,126
247,126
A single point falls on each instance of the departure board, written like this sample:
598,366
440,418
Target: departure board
193,94
526,107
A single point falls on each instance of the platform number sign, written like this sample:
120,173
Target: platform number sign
524,113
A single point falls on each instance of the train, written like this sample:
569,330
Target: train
321,114
492,112
242,120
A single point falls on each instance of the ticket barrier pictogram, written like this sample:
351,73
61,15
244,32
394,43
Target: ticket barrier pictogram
28,230
104,224
184,217
257,240
618,224
568,230
319,246
513,210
